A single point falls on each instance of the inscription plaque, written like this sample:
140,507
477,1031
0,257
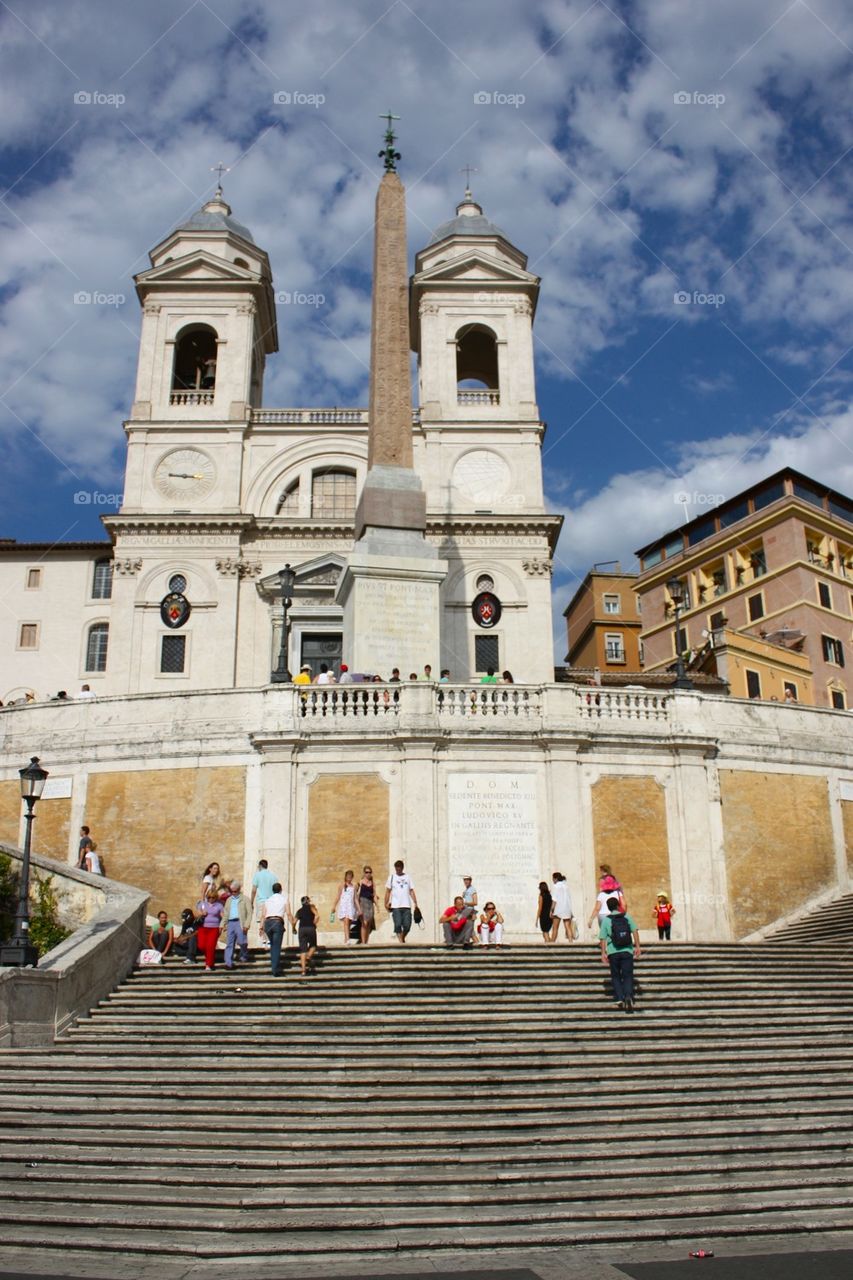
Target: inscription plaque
493,836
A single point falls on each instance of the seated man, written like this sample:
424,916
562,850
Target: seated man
161,938
186,943
458,924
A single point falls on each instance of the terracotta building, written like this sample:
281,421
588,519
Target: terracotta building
767,583
603,622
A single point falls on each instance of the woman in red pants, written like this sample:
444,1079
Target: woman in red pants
212,911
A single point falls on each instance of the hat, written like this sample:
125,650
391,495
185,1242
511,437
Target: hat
306,666
344,667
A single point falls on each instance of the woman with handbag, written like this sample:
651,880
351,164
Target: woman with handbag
366,904
346,908
212,911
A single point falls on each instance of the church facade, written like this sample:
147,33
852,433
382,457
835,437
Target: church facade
221,493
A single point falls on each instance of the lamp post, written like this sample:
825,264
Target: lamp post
20,951
675,587
287,580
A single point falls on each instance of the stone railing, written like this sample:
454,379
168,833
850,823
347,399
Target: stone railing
305,417
191,397
348,702
478,397
622,704
485,702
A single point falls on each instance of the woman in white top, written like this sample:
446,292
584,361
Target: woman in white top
346,908
210,878
93,862
561,908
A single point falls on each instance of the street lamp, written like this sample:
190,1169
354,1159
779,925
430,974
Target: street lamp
675,587
287,581
20,951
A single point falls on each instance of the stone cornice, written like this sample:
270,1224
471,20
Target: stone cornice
195,525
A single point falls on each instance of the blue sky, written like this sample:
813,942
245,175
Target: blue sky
640,154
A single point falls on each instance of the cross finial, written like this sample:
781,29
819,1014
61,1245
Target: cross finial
388,154
468,169
219,169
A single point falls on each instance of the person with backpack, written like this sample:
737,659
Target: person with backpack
663,913
620,947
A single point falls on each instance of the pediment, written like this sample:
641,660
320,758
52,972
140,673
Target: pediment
476,268
317,577
197,265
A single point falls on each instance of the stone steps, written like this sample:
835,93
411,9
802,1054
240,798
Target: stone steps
834,922
482,1080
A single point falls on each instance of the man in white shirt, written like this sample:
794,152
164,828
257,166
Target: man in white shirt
399,898
85,693
324,676
346,675
276,911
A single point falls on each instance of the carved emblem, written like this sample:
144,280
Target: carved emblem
537,568
127,568
486,610
174,609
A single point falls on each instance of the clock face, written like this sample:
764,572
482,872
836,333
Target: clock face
185,473
481,475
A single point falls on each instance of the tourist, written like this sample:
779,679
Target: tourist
427,672
506,677
600,910
400,896
210,878
186,943
790,696
491,928
345,905
663,913
608,884
211,911
238,917
85,694
543,910
395,675
345,676
86,843
262,883
366,903
308,918
620,947
304,676
324,675
161,938
413,675
92,863
489,677
276,908
458,924
445,675
469,893
561,908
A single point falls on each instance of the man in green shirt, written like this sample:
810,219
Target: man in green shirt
489,677
620,947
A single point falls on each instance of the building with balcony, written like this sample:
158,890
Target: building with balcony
767,584
603,622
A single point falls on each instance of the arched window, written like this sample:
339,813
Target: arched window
195,359
102,580
477,365
288,503
241,262
333,494
96,646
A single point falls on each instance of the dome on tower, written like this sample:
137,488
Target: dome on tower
469,221
216,216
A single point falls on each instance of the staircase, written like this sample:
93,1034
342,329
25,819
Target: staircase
414,1099
829,924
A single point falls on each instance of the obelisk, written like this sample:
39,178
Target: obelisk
390,587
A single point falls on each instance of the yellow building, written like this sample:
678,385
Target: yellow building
603,622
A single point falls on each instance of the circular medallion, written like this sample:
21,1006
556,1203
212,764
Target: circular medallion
486,609
481,475
185,473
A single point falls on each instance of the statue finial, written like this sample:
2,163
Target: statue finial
219,169
389,155
468,169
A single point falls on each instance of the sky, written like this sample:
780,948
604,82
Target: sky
678,174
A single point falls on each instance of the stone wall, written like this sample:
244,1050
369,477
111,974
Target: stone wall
629,821
348,829
779,844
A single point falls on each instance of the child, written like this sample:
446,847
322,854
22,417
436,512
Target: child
663,913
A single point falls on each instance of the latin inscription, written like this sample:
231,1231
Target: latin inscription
493,835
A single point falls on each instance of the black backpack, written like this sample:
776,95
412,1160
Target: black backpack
620,931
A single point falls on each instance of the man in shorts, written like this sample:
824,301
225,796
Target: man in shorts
400,897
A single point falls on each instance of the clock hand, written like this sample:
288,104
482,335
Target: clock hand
184,475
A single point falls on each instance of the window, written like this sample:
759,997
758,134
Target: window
612,604
642,652
102,580
753,684
717,621
833,650
325,647
28,636
178,583
485,582
791,688
172,654
33,579
477,365
824,594
739,511
96,647
288,503
195,364
614,647
486,653
704,529
755,605
333,495
837,699
768,495
758,562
